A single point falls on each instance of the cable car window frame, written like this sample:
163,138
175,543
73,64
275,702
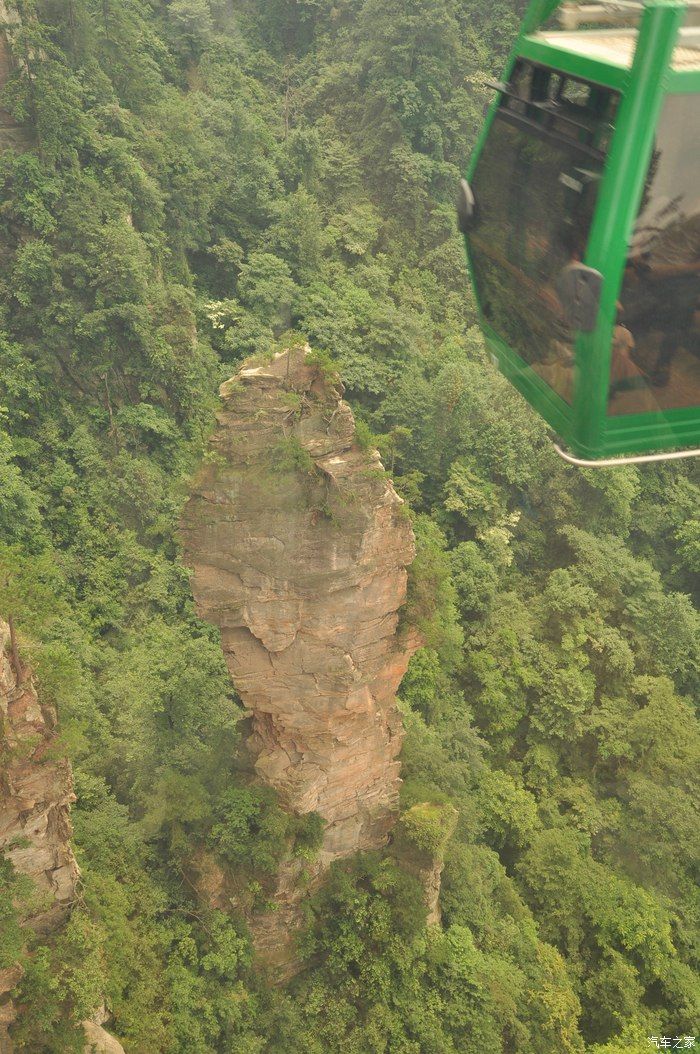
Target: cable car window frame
550,107
549,135
551,370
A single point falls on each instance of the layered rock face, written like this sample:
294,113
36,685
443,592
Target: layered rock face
36,791
299,547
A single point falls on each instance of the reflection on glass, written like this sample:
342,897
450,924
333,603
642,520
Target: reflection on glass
535,187
660,298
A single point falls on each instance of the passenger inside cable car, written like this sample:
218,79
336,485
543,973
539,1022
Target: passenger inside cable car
536,187
660,297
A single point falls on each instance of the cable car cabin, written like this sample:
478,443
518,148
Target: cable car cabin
582,217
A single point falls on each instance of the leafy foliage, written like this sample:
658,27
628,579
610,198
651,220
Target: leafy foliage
202,181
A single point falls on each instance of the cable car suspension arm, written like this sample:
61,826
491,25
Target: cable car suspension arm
636,459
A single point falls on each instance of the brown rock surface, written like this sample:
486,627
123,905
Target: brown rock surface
97,1039
36,791
299,547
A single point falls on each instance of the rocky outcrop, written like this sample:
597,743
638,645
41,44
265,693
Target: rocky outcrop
97,1040
36,791
419,847
299,547
8,979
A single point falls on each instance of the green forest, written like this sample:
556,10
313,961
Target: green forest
202,181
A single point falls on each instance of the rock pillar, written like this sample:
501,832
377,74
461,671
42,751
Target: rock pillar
299,548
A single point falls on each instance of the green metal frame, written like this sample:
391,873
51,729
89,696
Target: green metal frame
585,426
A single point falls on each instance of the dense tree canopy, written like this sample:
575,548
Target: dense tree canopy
202,180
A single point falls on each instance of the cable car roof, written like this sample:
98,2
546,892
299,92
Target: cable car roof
617,46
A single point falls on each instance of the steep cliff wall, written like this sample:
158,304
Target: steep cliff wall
299,547
11,133
36,791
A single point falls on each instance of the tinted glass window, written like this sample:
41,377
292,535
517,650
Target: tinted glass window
535,188
656,350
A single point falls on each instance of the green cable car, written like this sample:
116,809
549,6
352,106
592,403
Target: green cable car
581,211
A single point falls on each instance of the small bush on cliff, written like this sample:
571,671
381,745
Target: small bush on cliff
431,605
426,827
251,830
308,835
364,436
253,833
325,365
288,455
13,890
365,902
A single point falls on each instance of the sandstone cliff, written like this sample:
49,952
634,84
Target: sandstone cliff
35,794
299,547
